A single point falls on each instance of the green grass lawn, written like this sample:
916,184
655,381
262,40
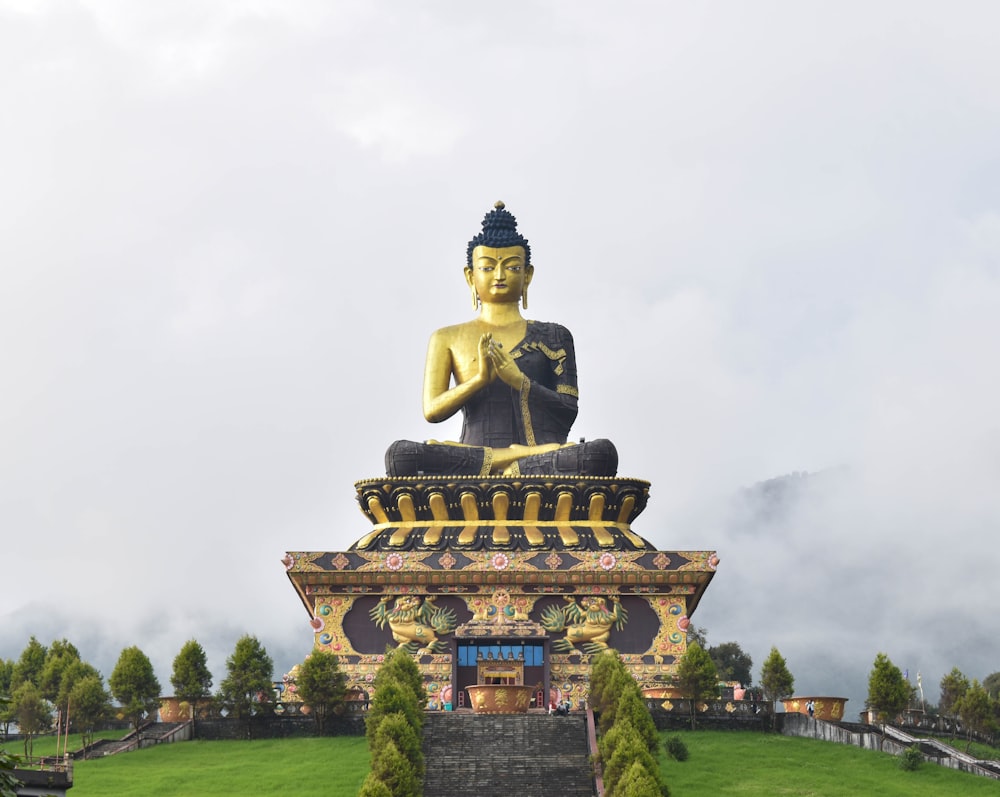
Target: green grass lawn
721,763
303,767
46,745
751,764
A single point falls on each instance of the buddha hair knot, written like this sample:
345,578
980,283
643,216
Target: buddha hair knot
499,230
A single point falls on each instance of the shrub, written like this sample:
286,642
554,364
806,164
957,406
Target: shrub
630,708
394,727
373,787
623,749
639,781
392,768
676,748
910,759
392,697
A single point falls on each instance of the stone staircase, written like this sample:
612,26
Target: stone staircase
159,732
151,733
500,755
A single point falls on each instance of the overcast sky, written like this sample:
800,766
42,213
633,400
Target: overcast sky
227,230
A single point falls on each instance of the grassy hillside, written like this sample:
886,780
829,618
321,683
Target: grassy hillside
752,764
721,763
303,767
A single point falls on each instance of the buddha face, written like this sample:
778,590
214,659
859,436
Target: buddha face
498,274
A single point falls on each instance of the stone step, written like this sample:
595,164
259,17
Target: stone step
504,755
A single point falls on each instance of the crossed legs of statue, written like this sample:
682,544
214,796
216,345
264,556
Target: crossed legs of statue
591,458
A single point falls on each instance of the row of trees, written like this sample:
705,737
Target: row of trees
628,738
55,683
731,662
976,705
698,676
45,682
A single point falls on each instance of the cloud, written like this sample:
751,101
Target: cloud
228,229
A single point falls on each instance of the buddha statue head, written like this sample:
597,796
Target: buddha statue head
499,249
499,231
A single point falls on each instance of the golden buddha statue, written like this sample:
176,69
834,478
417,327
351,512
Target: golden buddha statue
514,380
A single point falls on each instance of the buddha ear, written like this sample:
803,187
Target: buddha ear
472,287
529,272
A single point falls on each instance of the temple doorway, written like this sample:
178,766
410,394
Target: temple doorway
500,661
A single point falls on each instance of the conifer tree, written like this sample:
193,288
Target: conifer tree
401,665
247,689
32,713
28,668
953,686
60,655
628,733
397,701
322,685
775,678
638,781
90,704
391,767
373,787
134,685
977,711
74,672
624,747
191,678
604,668
401,733
888,692
696,677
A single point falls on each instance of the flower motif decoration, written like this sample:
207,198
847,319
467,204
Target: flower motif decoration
340,561
713,561
394,561
500,561
288,561
553,560
662,561
447,561
607,561
317,624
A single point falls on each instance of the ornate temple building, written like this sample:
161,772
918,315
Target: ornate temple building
509,557
539,573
